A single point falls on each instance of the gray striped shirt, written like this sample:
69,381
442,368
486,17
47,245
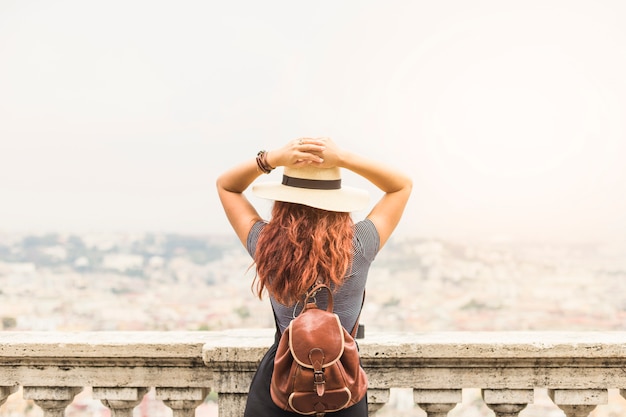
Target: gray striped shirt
347,298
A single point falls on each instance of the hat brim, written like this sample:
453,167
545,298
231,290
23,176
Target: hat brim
345,199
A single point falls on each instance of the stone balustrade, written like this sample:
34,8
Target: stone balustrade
576,369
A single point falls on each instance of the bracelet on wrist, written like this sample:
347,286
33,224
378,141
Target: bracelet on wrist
261,161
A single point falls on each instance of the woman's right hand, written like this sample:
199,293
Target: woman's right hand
332,155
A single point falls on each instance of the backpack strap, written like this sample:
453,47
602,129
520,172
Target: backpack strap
311,293
355,329
314,290
318,287
278,333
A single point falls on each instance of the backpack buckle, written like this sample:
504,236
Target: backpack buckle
316,356
319,382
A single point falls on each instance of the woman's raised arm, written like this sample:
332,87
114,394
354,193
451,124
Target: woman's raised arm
395,184
231,184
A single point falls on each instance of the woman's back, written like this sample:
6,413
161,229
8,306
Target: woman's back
348,296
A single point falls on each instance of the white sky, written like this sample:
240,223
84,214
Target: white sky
509,116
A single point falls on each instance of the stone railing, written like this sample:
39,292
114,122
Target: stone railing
576,369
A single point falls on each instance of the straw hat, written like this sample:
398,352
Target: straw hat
315,187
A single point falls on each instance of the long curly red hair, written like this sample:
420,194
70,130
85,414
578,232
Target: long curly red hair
300,246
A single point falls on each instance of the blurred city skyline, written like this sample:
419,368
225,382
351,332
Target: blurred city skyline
508,116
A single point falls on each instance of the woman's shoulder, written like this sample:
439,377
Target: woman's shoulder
365,227
253,236
366,238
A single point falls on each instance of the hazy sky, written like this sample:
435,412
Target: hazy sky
509,116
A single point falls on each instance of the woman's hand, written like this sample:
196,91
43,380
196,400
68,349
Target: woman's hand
332,155
297,153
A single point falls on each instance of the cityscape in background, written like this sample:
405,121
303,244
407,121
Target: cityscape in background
166,282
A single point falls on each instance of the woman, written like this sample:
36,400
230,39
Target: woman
311,236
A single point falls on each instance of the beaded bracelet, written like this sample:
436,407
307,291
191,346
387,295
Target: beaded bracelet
261,161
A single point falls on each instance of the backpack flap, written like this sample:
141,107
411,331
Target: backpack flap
308,337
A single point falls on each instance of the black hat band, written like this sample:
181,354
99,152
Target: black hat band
312,184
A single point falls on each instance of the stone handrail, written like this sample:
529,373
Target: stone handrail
577,369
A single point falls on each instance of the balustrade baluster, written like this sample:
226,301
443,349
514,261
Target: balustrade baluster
182,401
52,400
507,402
578,402
437,402
121,401
5,392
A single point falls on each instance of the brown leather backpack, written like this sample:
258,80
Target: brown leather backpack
317,367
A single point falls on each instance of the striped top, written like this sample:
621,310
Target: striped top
348,298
